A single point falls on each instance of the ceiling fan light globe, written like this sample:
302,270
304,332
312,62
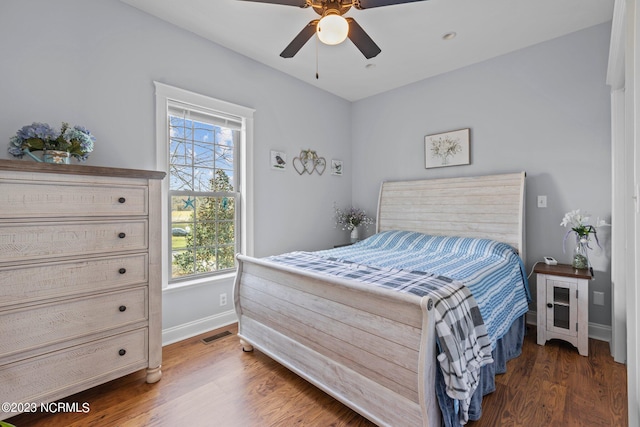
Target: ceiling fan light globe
332,29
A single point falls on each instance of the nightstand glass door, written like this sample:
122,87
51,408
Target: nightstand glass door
562,307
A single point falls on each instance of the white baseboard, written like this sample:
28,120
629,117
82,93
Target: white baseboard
200,326
600,332
596,330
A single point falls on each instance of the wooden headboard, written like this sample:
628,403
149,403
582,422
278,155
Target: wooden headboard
489,206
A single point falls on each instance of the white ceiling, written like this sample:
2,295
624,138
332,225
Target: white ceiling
410,35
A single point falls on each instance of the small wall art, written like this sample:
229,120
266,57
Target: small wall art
336,167
447,149
278,160
308,161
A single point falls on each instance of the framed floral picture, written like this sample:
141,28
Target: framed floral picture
447,149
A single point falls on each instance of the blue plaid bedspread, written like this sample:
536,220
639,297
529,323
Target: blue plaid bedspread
462,335
493,271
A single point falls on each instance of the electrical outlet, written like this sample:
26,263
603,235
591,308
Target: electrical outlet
223,299
542,201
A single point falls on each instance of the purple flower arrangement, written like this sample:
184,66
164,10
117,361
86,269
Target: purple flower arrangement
75,140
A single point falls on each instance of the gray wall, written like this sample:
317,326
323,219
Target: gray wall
544,110
93,63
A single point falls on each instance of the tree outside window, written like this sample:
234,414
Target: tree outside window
203,194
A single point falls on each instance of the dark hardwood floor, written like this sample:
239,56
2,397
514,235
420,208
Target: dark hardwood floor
216,384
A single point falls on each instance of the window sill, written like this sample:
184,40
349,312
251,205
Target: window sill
205,281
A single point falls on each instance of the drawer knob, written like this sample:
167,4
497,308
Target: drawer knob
121,235
122,200
549,305
122,352
122,270
122,308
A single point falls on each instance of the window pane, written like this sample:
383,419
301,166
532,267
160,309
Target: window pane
203,179
225,179
182,208
203,155
225,231
181,178
178,152
224,157
203,132
226,257
222,180
182,263
228,209
180,233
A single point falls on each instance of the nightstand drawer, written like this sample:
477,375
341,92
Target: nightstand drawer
43,325
21,242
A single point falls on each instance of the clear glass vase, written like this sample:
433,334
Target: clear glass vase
580,255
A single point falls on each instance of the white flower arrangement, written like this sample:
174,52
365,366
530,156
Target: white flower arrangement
579,224
351,218
445,147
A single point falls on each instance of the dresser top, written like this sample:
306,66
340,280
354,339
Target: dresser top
77,169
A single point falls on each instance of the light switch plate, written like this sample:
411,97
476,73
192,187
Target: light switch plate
542,201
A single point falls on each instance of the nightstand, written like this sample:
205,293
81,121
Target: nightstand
563,304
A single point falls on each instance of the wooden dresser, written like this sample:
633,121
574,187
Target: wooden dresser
80,279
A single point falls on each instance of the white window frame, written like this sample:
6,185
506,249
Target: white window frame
165,94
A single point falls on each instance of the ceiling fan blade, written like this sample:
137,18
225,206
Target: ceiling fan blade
368,4
299,3
361,39
300,40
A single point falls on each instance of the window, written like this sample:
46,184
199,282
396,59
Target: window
202,191
202,147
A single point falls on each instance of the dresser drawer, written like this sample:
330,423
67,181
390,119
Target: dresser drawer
23,242
51,324
48,199
32,283
58,374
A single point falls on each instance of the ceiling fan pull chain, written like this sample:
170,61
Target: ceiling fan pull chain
317,75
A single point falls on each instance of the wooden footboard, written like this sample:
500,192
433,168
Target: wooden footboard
371,348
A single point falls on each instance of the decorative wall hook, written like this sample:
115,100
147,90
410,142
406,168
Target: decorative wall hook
308,161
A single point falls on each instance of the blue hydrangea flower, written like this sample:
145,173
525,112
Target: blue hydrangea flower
38,130
15,146
77,141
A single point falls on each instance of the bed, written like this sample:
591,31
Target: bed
374,348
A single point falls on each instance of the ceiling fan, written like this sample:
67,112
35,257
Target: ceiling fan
332,28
